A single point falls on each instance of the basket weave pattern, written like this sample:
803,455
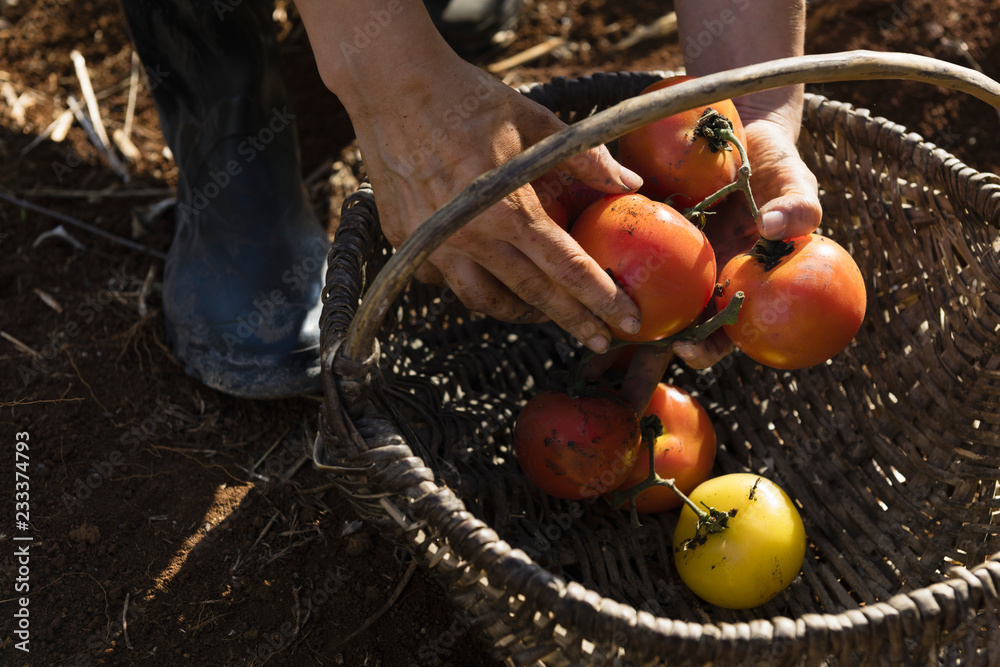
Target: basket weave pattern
892,449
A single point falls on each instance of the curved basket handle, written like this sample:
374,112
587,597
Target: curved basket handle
624,117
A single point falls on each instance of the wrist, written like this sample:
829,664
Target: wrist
726,34
370,51
781,107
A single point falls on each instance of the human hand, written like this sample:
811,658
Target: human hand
513,262
428,123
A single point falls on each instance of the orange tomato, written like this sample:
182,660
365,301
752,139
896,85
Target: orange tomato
674,160
800,309
661,260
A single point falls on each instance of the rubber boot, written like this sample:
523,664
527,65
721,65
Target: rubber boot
243,276
470,25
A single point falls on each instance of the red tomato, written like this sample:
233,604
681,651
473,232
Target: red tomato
685,452
661,260
800,312
576,447
675,161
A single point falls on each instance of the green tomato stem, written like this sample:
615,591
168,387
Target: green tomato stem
710,520
695,333
652,428
711,127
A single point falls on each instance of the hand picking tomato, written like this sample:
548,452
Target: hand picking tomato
576,447
661,260
801,307
675,160
755,557
685,452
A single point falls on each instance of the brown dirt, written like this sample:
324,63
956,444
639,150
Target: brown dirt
186,513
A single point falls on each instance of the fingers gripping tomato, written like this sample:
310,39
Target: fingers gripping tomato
755,557
802,307
685,452
675,159
576,447
661,260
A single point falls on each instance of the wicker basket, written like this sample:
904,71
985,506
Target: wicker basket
892,448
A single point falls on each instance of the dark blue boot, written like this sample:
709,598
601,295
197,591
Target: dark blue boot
469,25
242,282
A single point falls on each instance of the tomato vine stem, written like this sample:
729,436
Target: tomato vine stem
710,520
716,127
699,332
695,333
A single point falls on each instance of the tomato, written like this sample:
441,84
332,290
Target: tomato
661,260
576,447
757,555
685,452
676,161
799,312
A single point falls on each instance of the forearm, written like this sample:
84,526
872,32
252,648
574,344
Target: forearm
390,68
723,34
369,51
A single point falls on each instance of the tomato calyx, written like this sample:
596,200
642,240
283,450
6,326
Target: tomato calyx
715,129
770,253
710,522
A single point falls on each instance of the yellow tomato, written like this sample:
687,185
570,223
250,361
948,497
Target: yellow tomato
757,555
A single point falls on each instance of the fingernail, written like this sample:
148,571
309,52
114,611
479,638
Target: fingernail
598,344
632,180
630,325
773,225
684,350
